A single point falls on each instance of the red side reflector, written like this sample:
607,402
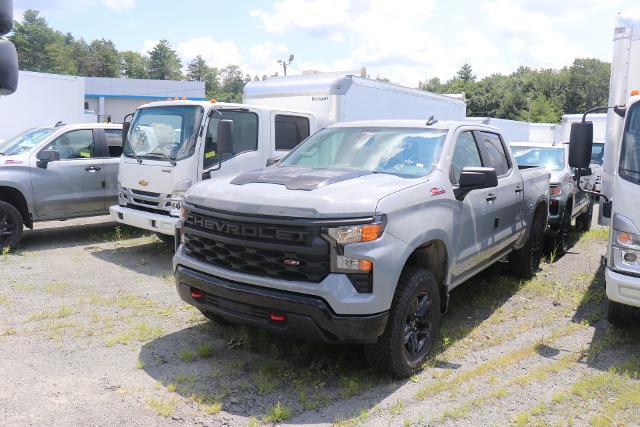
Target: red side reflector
278,317
195,293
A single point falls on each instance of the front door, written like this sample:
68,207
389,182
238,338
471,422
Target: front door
73,185
473,216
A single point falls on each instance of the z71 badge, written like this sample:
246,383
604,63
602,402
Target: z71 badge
436,191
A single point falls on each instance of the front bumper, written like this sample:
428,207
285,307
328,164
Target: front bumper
307,317
622,288
157,223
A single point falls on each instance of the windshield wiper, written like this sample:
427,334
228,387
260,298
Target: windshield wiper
169,159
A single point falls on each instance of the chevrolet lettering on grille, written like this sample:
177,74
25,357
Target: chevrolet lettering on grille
244,230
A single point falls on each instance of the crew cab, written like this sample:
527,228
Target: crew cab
359,234
55,173
566,202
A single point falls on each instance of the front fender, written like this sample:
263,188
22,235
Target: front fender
18,178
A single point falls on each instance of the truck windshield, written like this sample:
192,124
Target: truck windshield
551,158
160,132
630,153
25,141
406,152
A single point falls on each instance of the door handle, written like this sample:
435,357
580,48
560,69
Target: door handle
491,197
92,168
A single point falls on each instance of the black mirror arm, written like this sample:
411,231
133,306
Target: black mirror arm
593,193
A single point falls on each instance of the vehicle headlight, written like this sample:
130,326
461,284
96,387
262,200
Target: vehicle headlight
357,233
555,190
122,197
177,196
626,251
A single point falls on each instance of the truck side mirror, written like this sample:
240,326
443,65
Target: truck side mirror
475,179
580,144
225,137
8,68
46,156
125,131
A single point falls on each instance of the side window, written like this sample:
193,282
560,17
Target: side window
244,135
77,144
465,154
114,142
290,131
493,150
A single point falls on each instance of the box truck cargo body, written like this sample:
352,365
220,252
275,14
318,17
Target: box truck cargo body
512,130
599,125
343,98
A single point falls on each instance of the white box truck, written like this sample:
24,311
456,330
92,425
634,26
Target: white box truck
621,173
171,145
545,133
512,130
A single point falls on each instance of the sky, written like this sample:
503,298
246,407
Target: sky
406,41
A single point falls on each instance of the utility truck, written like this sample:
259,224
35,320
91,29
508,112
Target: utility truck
359,234
171,145
620,188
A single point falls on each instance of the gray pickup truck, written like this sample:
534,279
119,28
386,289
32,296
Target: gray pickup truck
55,173
566,201
359,234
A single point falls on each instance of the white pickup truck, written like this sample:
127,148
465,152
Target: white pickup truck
360,233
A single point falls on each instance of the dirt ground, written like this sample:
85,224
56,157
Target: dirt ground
92,332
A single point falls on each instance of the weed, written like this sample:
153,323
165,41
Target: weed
56,288
212,408
8,331
5,252
396,408
62,312
140,364
187,356
278,413
266,378
600,233
141,332
350,385
171,388
253,422
4,300
182,378
205,350
161,407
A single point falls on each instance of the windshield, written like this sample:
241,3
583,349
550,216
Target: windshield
157,132
25,141
551,158
630,153
399,151
597,153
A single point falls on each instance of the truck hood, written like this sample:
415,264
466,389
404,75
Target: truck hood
299,192
152,176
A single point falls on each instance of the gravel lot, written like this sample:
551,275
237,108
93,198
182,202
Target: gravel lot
93,332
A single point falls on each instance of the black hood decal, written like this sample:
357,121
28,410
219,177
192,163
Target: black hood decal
296,177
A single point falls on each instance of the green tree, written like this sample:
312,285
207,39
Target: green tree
544,111
164,63
212,84
32,37
133,65
104,60
588,84
514,106
197,69
465,73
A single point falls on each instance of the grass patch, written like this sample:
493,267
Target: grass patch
141,333
267,378
4,300
212,408
56,288
163,408
61,313
599,233
205,350
278,413
187,356
396,408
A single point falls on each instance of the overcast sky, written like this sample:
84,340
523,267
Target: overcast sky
405,40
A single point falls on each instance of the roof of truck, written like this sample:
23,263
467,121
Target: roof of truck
209,104
443,125
72,126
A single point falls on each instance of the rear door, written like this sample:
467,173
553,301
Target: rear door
287,131
507,212
113,145
473,216
74,185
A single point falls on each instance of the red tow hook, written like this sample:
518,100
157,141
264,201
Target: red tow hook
196,294
277,316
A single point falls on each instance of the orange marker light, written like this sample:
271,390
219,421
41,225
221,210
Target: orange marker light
635,92
184,98
371,232
365,265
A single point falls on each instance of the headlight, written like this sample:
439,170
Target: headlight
122,197
357,233
555,190
626,251
177,196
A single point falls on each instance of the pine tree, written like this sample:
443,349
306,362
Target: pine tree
164,63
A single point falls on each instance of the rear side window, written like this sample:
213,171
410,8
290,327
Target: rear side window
465,154
494,154
114,142
290,131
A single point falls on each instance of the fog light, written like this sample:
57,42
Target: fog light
354,264
630,257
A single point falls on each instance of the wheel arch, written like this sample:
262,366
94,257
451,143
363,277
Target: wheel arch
433,256
15,197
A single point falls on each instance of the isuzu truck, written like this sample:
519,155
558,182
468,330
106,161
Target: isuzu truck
359,234
171,145
620,188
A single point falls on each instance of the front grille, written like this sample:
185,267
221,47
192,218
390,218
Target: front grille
147,201
145,193
260,248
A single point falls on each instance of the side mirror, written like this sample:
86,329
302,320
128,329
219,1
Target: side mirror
475,179
580,144
272,161
225,137
8,67
46,156
125,131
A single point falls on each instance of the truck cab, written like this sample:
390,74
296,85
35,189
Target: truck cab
171,145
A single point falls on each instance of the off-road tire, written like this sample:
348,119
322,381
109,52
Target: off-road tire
166,239
10,226
583,221
389,354
620,315
561,240
525,262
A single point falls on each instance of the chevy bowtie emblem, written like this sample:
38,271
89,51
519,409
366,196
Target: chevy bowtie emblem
291,262
143,182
